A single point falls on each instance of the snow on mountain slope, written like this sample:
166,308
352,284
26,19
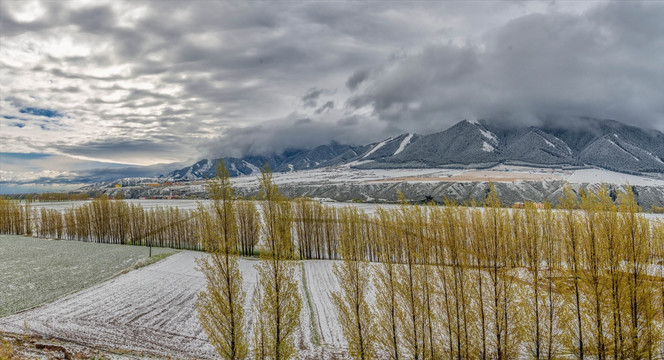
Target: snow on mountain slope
403,144
373,150
536,147
489,135
254,169
614,153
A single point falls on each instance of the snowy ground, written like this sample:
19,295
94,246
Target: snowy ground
35,271
321,282
344,174
152,310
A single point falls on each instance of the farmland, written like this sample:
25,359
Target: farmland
35,271
414,281
151,310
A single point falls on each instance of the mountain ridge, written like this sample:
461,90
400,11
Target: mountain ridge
607,144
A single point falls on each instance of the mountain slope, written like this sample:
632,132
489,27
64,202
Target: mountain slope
290,160
463,143
538,147
590,142
607,144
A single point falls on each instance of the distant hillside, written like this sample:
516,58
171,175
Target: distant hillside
290,160
606,144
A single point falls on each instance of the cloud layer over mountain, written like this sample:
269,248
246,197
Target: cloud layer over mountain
147,82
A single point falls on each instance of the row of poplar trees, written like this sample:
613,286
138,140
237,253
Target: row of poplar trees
104,221
493,283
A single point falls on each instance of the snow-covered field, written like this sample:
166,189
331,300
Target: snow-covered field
345,174
35,271
152,310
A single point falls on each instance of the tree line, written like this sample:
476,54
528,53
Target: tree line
104,220
113,221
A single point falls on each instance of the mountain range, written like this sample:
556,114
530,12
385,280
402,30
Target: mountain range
584,142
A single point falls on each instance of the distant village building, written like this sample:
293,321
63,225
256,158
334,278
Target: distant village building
520,205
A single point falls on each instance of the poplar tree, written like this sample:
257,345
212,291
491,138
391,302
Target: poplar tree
388,310
354,312
638,249
593,261
497,236
611,242
556,313
426,261
280,301
409,284
572,238
454,221
305,210
480,254
220,305
249,226
658,254
532,246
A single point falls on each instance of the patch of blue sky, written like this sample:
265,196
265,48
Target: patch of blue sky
6,188
18,125
23,156
41,112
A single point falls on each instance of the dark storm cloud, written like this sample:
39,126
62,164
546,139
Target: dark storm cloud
290,132
325,107
310,98
356,79
93,19
541,66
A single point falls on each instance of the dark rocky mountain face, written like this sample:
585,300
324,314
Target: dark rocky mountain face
584,142
464,143
289,160
537,147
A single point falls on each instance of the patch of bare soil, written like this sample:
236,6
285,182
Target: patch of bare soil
15,347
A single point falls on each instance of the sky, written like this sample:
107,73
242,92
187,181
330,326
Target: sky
90,89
